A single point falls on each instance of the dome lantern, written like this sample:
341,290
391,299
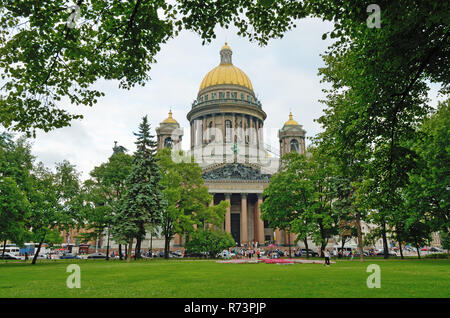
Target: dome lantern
170,119
225,54
291,121
226,73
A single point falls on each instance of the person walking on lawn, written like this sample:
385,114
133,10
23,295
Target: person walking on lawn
327,258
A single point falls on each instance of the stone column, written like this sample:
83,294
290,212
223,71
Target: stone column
244,226
278,236
228,214
192,135
210,226
259,223
293,237
177,239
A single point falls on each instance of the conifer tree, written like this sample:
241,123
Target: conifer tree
142,202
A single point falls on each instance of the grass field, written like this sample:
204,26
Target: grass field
204,278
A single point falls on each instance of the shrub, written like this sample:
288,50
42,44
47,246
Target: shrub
210,242
437,255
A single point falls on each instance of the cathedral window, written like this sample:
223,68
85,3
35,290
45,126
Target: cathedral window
168,142
242,96
213,96
228,95
221,95
210,129
294,145
206,97
228,130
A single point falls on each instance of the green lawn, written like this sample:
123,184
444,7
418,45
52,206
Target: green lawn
204,278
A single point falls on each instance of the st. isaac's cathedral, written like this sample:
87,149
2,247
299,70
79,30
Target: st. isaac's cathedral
227,141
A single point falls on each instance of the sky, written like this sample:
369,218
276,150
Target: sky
284,75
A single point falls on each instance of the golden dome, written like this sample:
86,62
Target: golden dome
226,73
291,121
170,120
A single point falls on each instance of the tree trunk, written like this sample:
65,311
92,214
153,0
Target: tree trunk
342,246
151,244
306,247
38,249
400,248
289,243
130,248
417,248
107,247
360,240
4,248
120,252
385,243
137,249
126,250
166,246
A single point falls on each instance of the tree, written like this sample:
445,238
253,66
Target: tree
14,208
143,201
46,211
299,198
69,195
116,40
427,190
104,190
289,197
381,114
187,199
16,163
322,214
211,242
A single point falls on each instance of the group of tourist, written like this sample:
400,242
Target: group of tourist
242,252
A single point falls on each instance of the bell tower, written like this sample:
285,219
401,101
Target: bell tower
169,134
292,137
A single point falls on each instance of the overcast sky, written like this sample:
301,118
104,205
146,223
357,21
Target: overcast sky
283,74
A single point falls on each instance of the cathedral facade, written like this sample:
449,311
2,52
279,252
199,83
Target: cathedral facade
227,141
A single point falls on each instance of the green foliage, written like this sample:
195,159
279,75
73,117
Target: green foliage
427,190
44,59
142,203
290,196
16,163
47,211
445,240
299,197
53,237
14,209
211,242
375,106
102,194
187,198
437,256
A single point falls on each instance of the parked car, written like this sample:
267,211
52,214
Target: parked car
202,254
9,256
436,250
69,256
310,253
176,254
97,255
381,253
